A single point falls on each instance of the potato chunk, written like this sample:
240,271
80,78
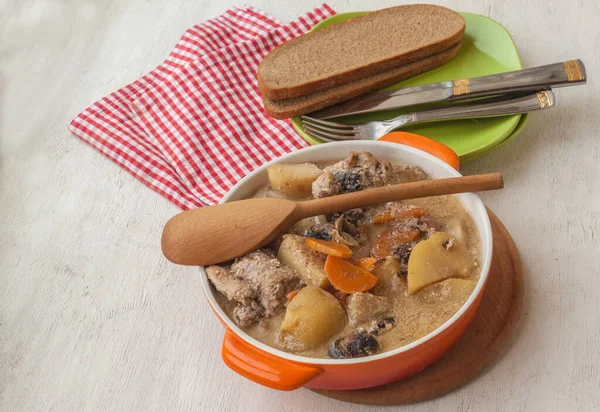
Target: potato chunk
437,258
448,295
387,268
392,282
458,290
307,263
293,180
312,318
457,230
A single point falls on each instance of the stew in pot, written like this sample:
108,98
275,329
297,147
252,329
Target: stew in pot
355,283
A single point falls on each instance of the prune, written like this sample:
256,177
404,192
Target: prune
356,345
402,253
403,250
320,231
349,181
318,235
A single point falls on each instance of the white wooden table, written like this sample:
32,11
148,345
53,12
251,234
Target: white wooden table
93,318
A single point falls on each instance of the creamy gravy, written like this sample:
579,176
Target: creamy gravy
416,315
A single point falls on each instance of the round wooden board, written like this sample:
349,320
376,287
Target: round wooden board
485,339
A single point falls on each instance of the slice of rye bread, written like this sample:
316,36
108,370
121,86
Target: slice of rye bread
358,48
285,108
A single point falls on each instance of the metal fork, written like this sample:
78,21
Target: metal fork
332,131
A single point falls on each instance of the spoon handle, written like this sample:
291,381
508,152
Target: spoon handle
424,188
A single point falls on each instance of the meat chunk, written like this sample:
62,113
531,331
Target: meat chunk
326,185
270,278
408,173
359,171
245,315
247,310
364,308
257,282
371,171
230,286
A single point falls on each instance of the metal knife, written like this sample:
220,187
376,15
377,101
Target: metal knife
536,78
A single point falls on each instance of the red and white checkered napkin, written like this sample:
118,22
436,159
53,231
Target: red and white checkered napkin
195,126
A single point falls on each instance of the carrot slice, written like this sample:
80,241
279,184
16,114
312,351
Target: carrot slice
389,215
389,239
292,294
348,278
329,247
366,263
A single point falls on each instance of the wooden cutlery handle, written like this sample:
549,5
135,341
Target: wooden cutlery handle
403,191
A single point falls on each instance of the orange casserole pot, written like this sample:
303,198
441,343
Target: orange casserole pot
280,370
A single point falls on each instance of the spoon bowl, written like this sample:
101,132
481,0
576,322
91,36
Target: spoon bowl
218,233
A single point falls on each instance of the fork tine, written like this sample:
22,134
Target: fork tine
325,123
326,135
329,129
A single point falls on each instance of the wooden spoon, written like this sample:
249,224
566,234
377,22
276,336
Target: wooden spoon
219,233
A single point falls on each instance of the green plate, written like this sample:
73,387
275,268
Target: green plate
515,133
487,49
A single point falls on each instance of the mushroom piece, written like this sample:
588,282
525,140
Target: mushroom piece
339,235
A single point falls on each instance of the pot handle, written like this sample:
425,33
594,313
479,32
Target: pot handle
425,144
262,367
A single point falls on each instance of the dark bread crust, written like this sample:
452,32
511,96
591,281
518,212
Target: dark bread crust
286,108
271,90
